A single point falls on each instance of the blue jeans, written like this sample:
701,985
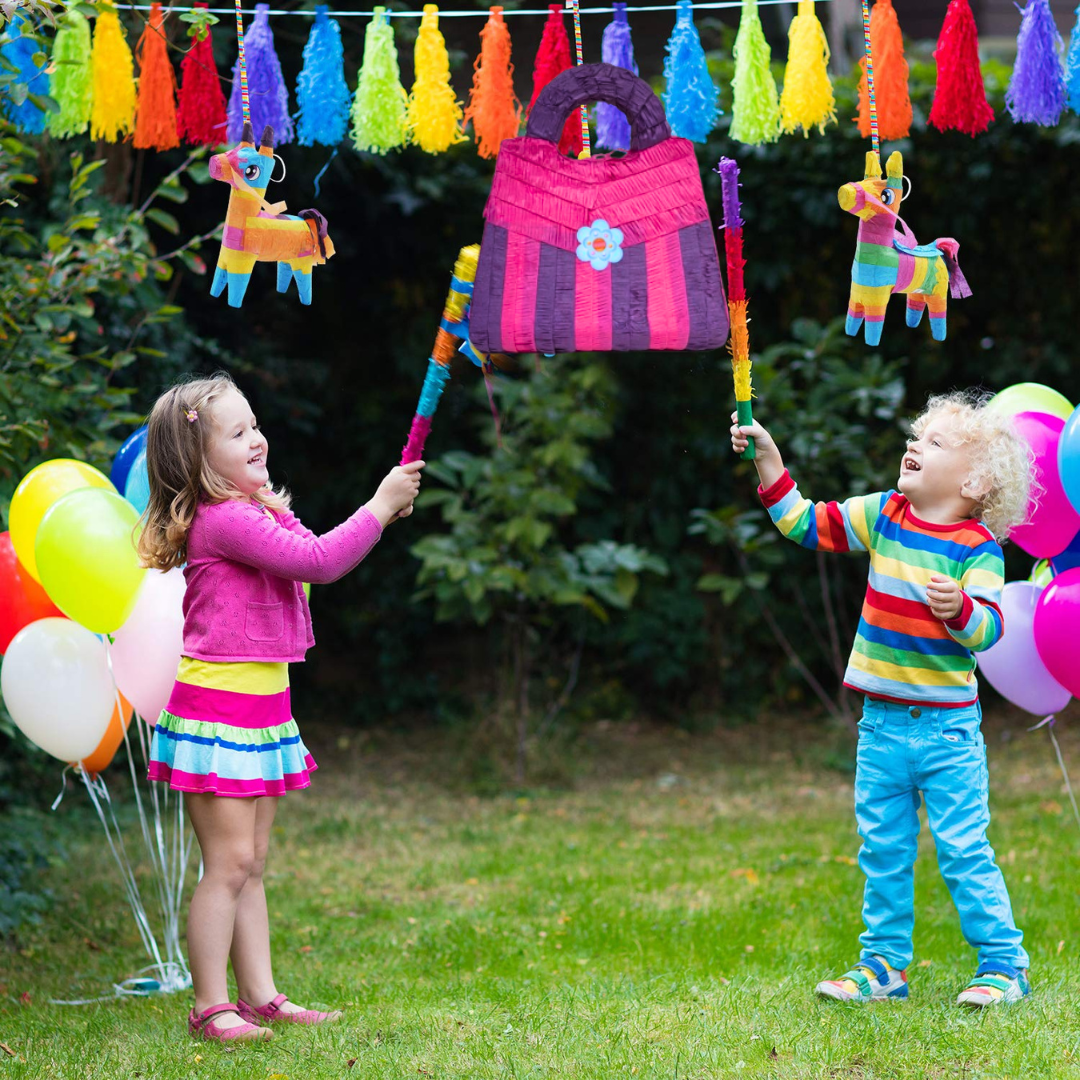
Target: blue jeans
904,750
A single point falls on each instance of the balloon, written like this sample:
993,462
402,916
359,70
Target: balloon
87,558
1042,573
37,491
22,599
1012,666
1069,458
1069,559
102,757
1053,522
57,687
1057,622
146,650
137,488
125,458
1030,397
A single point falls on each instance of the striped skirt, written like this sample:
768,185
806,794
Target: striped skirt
228,730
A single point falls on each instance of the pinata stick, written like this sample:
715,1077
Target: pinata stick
453,329
740,335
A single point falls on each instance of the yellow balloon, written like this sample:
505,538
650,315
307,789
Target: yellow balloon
37,491
1031,397
85,551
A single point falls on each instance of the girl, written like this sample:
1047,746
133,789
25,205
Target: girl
227,737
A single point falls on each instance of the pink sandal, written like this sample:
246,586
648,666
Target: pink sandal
202,1026
271,1013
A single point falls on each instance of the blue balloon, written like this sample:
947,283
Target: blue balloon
1069,559
1069,458
125,458
137,488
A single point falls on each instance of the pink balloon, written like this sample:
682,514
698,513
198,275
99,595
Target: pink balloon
1012,666
1057,626
146,650
1054,522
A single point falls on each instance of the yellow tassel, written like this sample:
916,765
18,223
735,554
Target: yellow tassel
434,113
112,116
807,100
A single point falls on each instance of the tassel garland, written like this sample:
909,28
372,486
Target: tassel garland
155,112
266,88
691,98
807,99
755,110
321,92
1036,93
434,114
553,58
1072,68
960,98
112,114
494,111
890,76
200,111
378,112
612,127
19,53
71,77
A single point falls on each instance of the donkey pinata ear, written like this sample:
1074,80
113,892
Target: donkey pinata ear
248,134
267,140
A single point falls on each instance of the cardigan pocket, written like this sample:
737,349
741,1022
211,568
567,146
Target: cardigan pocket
265,622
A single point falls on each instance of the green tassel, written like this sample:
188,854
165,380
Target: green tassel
71,77
755,112
378,111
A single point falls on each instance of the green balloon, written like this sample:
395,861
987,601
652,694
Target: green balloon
307,589
1042,573
85,551
1031,397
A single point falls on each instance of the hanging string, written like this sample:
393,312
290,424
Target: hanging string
1048,723
585,146
245,104
869,78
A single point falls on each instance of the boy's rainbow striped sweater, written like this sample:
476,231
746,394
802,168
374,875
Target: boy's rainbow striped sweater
902,651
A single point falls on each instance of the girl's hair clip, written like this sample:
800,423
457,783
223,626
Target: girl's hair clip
192,415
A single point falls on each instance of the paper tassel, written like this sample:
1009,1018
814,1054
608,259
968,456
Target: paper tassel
378,112
807,98
155,111
691,98
321,93
890,76
612,127
755,109
960,98
112,114
19,53
433,117
1072,68
71,77
266,88
553,58
200,112
1036,93
494,111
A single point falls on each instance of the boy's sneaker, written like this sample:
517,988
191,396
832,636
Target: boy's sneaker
871,979
995,983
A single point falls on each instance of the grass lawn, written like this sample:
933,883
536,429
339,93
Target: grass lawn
666,916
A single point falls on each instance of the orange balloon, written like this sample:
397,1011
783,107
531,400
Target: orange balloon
102,757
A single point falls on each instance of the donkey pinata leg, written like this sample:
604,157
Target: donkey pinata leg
916,305
284,276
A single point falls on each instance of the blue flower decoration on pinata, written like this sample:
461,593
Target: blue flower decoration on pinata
599,244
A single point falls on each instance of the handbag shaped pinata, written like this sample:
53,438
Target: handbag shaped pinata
599,254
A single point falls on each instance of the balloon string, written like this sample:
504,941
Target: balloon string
1048,723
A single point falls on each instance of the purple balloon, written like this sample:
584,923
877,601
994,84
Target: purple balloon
1057,620
1013,666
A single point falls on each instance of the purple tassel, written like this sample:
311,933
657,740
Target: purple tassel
1036,93
266,88
612,127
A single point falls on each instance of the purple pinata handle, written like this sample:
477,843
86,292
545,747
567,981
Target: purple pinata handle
729,176
599,82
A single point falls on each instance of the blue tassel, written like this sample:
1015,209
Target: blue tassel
1072,67
321,91
612,127
1036,93
691,98
20,54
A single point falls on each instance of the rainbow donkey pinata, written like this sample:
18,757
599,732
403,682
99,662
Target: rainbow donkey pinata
256,231
885,264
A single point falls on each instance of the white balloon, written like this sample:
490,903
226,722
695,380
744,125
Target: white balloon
57,687
146,649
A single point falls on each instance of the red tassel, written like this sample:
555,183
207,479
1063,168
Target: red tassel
553,58
960,99
200,116
890,76
155,115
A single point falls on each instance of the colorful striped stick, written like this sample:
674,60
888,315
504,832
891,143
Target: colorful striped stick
453,330
245,104
870,78
740,334
585,146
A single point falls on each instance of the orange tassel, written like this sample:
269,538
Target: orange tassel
155,117
494,111
890,76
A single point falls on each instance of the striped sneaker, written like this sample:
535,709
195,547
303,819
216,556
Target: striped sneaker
995,983
871,979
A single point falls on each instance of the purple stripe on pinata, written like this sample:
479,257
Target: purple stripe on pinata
544,324
630,301
708,316
565,290
485,314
